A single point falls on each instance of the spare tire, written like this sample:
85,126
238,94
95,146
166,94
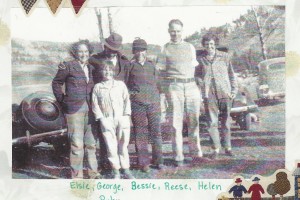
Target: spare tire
42,112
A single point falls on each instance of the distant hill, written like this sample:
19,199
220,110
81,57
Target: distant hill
34,63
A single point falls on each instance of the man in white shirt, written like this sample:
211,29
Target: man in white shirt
177,64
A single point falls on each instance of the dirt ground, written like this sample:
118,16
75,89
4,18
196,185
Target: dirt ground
259,151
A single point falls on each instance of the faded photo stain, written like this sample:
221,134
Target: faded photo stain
222,1
4,33
83,188
292,63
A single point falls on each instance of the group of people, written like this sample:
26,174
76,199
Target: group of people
102,93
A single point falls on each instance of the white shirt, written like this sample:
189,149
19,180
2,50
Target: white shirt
114,60
86,70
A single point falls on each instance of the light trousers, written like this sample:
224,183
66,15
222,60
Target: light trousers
117,140
184,100
82,138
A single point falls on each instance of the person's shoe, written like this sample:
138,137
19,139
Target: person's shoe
214,155
197,160
179,163
96,176
145,168
229,153
116,174
159,166
127,174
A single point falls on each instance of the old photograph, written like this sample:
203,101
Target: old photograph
183,92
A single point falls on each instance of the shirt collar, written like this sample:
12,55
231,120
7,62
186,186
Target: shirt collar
217,55
82,65
141,63
106,85
171,42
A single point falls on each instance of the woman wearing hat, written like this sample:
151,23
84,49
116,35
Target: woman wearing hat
256,189
238,189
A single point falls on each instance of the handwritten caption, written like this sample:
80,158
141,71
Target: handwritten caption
114,189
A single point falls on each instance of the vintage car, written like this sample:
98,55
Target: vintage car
271,79
242,108
38,118
242,112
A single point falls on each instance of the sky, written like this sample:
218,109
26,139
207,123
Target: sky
149,23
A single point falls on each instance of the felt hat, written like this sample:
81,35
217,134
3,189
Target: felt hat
114,42
256,179
238,180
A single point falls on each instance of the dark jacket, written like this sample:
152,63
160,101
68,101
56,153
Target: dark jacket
142,82
77,90
238,190
119,72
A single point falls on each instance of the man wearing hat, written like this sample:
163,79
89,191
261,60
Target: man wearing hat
256,189
141,80
238,189
112,47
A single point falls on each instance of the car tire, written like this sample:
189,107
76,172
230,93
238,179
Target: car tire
245,122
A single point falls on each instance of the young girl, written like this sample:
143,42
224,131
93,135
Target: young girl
111,106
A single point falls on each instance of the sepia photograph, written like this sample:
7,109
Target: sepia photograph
170,92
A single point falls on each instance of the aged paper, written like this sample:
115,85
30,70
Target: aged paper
38,36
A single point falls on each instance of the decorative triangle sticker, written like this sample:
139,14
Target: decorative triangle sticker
54,4
28,4
77,4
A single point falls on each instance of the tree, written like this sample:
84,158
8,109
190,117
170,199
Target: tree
99,17
271,190
110,21
262,22
282,184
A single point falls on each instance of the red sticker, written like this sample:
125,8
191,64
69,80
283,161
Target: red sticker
77,4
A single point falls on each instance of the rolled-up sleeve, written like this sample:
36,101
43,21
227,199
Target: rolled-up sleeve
95,104
193,52
58,82
232,78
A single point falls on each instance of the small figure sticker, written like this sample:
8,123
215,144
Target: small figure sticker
238,189
256,189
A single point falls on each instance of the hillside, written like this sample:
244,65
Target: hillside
34,64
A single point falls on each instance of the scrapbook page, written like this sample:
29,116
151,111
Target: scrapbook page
149,99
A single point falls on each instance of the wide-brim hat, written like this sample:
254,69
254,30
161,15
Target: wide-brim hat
114,42
256,179
238,180
42,112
